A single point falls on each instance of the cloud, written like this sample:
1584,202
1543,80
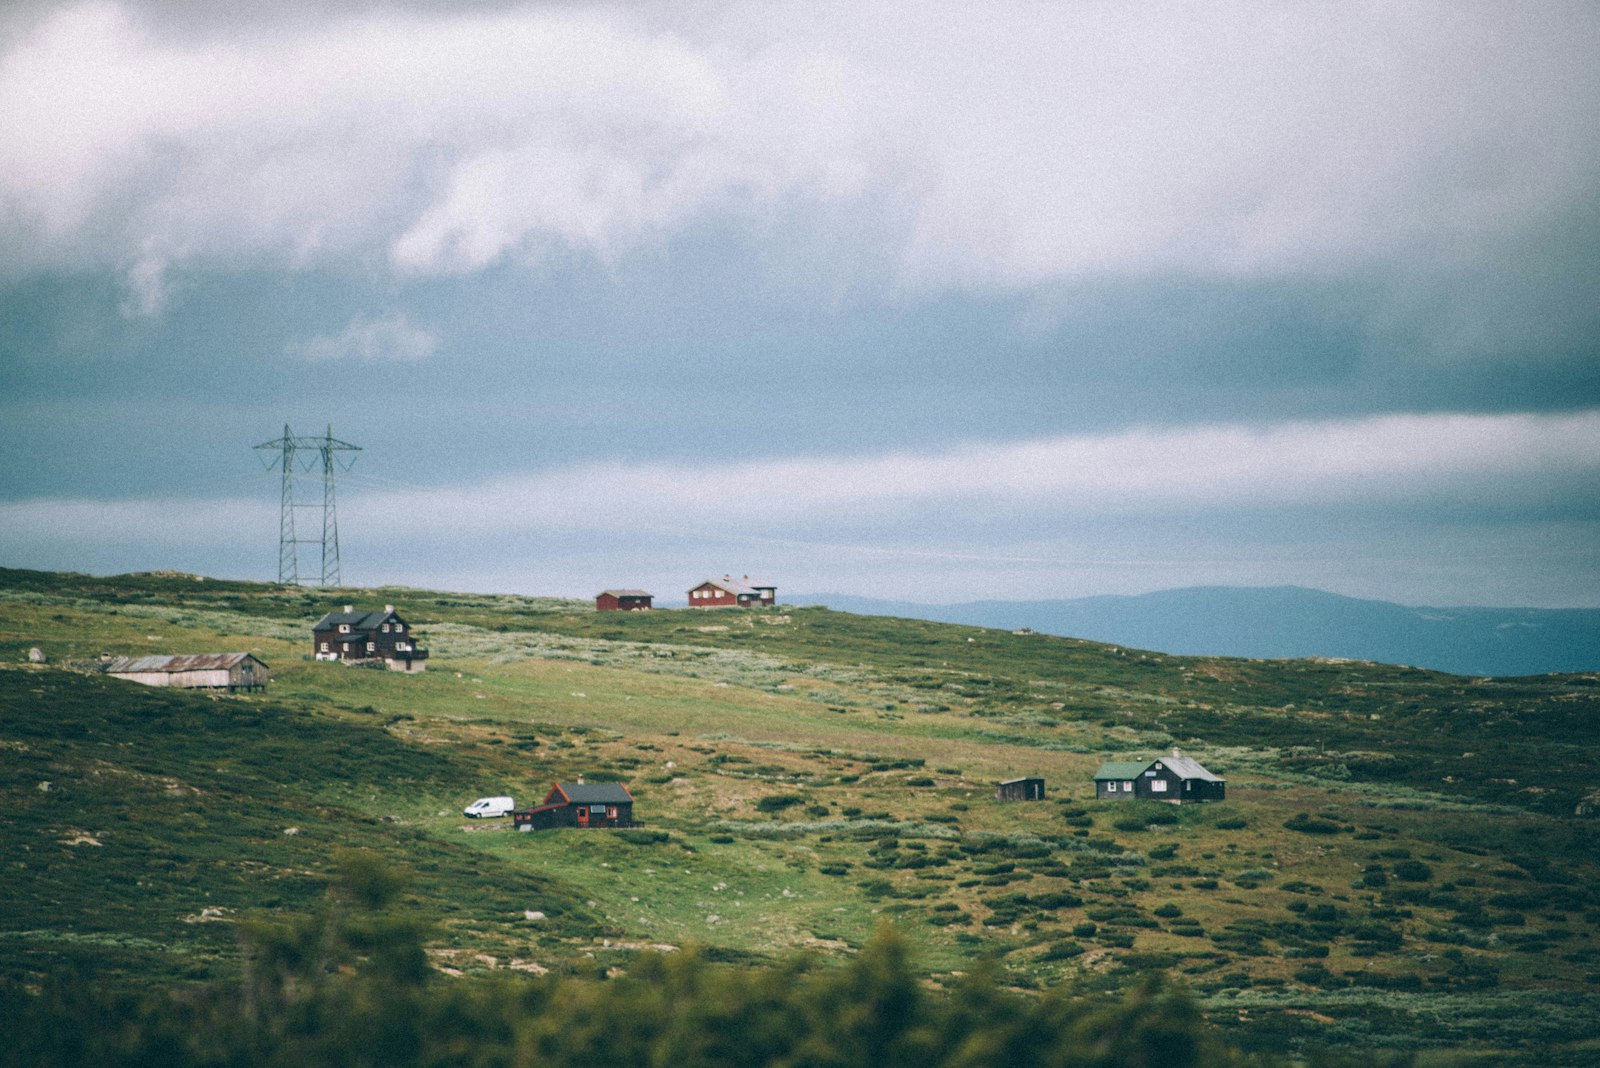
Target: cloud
1396,462
1008,145
369,340
1425,508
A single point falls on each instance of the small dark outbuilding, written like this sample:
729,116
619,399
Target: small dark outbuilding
1176,778
578,804
1021,790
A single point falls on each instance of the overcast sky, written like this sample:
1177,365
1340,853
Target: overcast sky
925,301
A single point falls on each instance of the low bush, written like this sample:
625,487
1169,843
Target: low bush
1309,824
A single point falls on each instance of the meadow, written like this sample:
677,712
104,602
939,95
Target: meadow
1406,863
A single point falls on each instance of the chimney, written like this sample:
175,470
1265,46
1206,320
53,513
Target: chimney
349,608
388,608
1176,752
580,780
727,578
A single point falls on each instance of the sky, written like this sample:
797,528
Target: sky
924,301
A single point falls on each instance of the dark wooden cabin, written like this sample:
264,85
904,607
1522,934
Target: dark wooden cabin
578,804
352,635
1021,790
1176,778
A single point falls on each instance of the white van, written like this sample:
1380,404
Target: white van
489,807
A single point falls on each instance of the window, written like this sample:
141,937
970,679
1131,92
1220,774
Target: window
344,628
324,646
1158,786
369,647
384,628
1127,787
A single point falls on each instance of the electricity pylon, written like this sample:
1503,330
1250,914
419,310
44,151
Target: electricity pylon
298,455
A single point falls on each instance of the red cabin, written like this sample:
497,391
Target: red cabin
729,592
622,601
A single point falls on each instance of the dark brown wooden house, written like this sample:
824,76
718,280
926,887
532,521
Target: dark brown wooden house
578,804
352,635
1176,778
1021,790
622,601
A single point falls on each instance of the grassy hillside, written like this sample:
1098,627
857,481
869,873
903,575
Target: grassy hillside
1399,863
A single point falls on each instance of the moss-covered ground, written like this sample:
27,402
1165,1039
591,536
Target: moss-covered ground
1400,863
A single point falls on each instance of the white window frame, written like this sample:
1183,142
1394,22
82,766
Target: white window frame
1158,786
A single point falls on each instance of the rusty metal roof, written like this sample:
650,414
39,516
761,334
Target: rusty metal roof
183,662
627,593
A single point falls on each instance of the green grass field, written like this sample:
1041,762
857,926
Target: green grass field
1399,864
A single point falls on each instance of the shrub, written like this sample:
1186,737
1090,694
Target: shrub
1412,871
1167,911
1062,951
778,802
1308,824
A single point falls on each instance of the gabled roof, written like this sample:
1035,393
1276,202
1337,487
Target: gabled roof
626,593
357,620
1188,768
190,662
595,793
1122,769
739,587
733,586
1184,767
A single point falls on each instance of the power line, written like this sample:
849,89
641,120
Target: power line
296,456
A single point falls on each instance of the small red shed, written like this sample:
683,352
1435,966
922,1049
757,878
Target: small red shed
622,601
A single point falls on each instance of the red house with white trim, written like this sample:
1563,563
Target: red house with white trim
729,592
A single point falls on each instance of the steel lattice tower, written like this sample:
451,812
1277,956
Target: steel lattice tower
300,455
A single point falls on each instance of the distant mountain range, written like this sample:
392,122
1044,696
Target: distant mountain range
1286,621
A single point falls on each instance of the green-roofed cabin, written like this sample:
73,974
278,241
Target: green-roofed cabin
1176,778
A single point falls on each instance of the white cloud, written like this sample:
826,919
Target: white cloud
1014,143
1458,461
369,340
1396,506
